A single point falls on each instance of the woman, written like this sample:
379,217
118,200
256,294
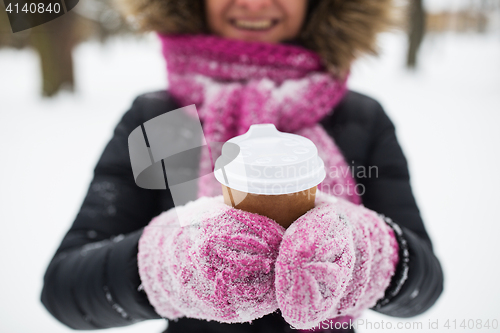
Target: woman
244,62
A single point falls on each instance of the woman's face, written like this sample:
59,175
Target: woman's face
270,21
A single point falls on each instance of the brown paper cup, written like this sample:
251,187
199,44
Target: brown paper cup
283,208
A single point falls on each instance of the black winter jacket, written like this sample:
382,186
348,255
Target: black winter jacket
92,282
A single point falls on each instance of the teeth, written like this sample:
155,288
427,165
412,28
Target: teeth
255,25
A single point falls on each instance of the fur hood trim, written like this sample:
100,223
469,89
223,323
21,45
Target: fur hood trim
338,30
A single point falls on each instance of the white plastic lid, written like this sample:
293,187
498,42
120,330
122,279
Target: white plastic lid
267,161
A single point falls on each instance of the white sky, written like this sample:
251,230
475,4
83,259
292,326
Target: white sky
438,5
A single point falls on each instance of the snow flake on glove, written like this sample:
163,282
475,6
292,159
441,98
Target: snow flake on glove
219,268
335,260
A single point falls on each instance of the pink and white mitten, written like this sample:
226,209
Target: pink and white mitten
220,267
335,260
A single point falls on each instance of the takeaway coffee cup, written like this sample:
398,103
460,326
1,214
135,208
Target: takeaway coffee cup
270,173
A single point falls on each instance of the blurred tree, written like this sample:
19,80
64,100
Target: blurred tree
54,41
416,31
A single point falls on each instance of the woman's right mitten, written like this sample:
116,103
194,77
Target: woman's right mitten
219,267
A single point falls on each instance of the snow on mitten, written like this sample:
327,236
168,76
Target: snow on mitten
335,260
220,267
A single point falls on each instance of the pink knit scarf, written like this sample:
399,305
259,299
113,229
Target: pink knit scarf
235,84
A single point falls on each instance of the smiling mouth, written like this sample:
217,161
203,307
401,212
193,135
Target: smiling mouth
255,25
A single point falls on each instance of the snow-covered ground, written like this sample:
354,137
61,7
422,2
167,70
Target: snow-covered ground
446,115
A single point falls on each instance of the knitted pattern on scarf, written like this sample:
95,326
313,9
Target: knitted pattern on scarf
235,84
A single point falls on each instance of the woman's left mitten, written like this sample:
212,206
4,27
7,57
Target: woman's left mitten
335,260
219,267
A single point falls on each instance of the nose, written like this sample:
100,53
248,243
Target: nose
254,5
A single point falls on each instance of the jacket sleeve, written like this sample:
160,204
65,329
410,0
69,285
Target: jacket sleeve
92,281
418,281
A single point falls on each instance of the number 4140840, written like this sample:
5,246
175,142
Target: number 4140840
35,8
472,324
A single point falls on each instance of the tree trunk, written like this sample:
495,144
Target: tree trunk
54,42
416,31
